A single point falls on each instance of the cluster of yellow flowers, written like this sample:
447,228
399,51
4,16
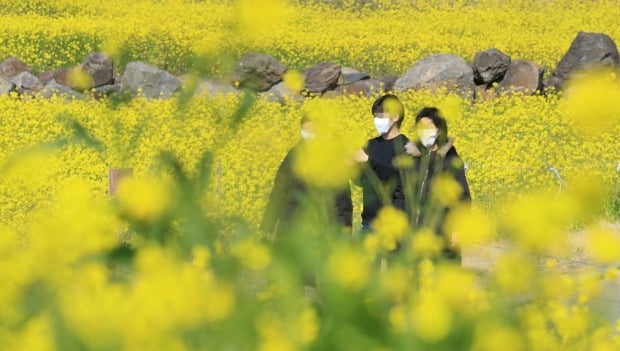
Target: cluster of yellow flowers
173,261
508,144
383,37
57,217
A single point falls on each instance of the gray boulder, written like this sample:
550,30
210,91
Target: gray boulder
321,78
522,76
100,67
281,93
105,90
330,94
26,82
490,66
151,81
367,87
258,72
350,75
388,82
11,67
6,86
60,75
46,76
207,87
52,88
485,92
443,70
212,88
586,50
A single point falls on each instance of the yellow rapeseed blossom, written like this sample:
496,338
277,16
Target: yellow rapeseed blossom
79,79
258,19
514,273
431,319
470,225
398,318
253,255
426,243
592,99
541,221
69,282
294,81
308,325
571,320
491,335
349,267
604,244
326,160
271,328
452,282
451,108
201,256
372,245
36,335
391,225
144,199
446,190
396,283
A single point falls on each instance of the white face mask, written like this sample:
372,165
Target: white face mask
427,136
306,135
383,125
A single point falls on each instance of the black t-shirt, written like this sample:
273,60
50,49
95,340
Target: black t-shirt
381,170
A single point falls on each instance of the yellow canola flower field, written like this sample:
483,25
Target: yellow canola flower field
382,37
174,261
508,145
57,218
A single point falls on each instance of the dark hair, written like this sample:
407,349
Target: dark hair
439,121
379,106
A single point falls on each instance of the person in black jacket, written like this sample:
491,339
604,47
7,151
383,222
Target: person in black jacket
381,178
434,155
289,191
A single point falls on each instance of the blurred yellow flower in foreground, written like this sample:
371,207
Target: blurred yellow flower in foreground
326,160
143,199
396,283
432,319
308,325
349,267
391,225
80,79
592,98
604,243
492,335
514,273
201,256
252,254
446,190
425,243
272,334
294,80
470,225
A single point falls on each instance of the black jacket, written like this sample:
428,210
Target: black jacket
287,195
427,166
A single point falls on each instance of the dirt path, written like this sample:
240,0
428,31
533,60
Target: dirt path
484,257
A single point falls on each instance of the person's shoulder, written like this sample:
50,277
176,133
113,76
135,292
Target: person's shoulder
372,142
452,152
453,157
